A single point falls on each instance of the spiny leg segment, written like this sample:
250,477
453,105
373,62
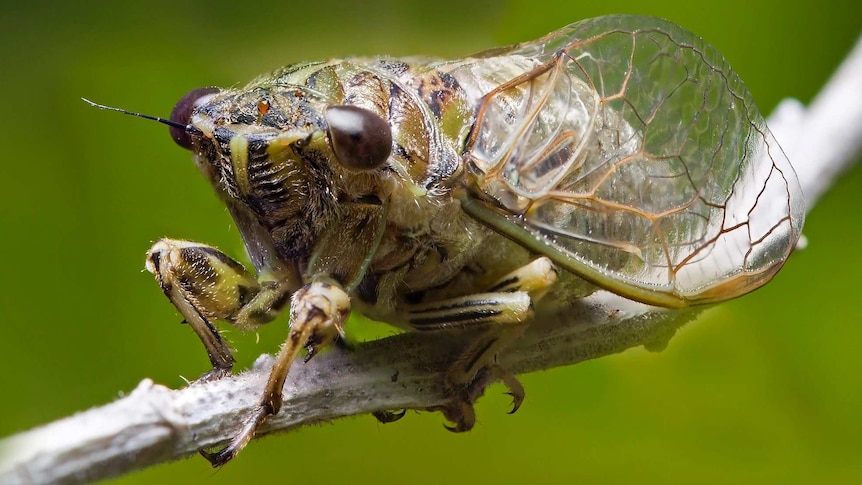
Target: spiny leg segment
317,315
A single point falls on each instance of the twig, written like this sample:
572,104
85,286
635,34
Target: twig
824,139
154,424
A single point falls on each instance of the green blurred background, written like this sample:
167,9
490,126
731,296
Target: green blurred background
762,389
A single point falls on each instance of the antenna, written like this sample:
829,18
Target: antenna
172,124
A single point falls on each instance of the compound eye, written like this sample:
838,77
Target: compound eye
360,138
182,113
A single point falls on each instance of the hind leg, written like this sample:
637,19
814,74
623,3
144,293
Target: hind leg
505,309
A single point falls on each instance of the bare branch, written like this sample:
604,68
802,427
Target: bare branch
824,139
155,424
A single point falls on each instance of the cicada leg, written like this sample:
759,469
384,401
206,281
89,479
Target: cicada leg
317,315
204,284
506,308
319,309
389,416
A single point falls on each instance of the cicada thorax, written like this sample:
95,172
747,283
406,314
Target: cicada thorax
425,109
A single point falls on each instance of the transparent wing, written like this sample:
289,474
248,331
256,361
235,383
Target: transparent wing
632,154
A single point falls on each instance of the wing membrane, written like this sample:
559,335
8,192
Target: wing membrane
630,150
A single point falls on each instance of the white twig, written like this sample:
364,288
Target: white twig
154,424
824,139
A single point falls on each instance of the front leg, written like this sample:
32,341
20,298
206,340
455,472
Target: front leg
318,310
317,315
204,284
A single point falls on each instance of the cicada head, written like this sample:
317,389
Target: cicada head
228,128
285,152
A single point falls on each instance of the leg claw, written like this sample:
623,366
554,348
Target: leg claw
218,458
389,416
517,400
516,390
213,374
461,413
460,408
239,441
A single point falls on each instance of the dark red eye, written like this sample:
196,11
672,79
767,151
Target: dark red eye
182,113
361,139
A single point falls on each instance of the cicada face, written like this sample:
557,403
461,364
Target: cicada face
276,150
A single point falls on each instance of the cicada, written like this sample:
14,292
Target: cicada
619,153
